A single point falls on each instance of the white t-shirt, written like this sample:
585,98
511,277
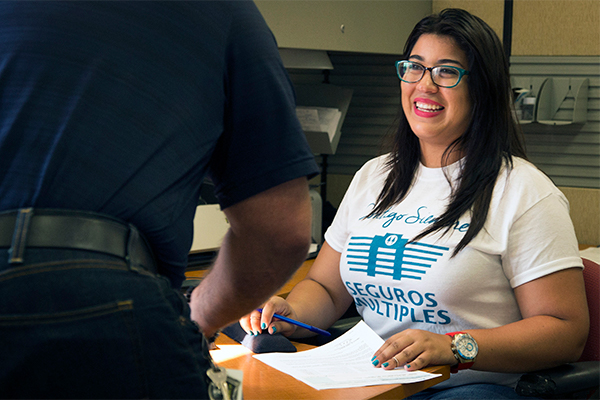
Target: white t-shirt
396,286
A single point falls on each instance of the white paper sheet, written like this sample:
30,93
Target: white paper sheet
342,363
319,119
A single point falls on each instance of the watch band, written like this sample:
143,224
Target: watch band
460,366
455,368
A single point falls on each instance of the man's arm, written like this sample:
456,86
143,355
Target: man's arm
268,240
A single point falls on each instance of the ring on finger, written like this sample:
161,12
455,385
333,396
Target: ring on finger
397,362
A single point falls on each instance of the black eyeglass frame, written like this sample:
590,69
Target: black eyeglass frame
461,72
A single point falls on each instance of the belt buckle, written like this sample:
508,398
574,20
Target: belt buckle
19,238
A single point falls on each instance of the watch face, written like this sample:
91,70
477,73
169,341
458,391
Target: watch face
466,347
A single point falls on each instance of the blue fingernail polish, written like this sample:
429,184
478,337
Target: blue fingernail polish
374,357
274,329
407,366
385,364
263,325
376,362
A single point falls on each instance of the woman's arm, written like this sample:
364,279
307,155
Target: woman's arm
553,331
319,300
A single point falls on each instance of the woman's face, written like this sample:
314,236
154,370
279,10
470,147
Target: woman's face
437,115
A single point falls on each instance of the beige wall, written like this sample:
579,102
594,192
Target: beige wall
585,213
556,28
541,27
369,26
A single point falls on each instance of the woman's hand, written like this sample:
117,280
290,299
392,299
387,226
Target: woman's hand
414,349
255,322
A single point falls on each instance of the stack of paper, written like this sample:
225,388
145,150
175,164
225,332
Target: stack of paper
342,363
319,119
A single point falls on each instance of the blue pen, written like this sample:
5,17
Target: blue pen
300,324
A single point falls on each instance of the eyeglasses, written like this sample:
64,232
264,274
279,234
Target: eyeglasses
444,76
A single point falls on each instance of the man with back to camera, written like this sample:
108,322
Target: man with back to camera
111,115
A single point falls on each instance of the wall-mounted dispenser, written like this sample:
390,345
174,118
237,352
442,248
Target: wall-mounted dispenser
527,90
555,94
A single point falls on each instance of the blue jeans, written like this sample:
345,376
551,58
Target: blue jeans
479,391
78,324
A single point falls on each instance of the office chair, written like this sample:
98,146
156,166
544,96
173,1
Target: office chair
579,380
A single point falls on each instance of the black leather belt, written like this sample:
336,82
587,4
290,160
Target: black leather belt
80,230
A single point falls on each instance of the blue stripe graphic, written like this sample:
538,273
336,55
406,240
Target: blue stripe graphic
391,255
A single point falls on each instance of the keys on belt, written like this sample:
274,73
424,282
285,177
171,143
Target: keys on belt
218,389
223,385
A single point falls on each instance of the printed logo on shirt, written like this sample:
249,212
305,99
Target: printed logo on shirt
392,255
419,216
398,304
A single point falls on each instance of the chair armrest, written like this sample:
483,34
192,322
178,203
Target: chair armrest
342,326
566,378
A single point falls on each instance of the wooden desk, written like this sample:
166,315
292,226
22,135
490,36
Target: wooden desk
262,382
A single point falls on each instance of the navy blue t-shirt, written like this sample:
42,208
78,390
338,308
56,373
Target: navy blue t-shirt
122,108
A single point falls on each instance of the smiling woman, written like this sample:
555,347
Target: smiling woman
479,103
445,244
438,115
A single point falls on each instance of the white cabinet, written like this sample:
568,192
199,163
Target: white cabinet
369,26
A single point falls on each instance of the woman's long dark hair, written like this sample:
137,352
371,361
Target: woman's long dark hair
492,137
